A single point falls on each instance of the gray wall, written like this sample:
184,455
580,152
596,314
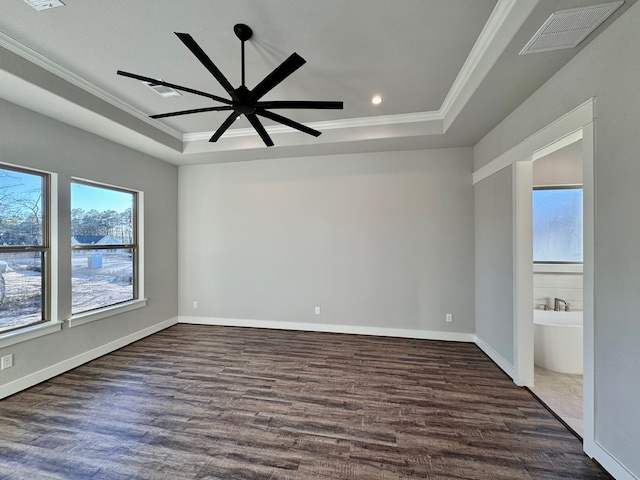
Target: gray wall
376,240
32,140
494,262
609,69
562,167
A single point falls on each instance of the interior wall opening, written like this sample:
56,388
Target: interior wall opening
557,214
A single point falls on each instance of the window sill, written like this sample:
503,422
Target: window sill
29,333
570,268
82,318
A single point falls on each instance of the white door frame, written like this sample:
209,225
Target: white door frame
576,124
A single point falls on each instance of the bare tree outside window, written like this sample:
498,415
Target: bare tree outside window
23,248
104,248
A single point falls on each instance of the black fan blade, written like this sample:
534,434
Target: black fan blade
260,129
196,110
225,125
191,44
281,72
319,105
173,85
288,122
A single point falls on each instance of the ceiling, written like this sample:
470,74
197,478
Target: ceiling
448,70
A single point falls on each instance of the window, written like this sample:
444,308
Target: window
104,246
557,225
24,248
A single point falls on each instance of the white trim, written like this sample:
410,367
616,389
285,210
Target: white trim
53,248
318,327
555,146
110,311
66,365
504,22
402,118
611,464
140,242
49,65
559,268
523,331
566,125
28,333
495,356
588,288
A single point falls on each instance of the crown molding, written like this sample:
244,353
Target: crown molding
503,23
326,125
505,19
49,65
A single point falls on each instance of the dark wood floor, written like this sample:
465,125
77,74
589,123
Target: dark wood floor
232,403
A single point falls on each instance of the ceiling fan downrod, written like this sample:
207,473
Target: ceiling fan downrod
244,33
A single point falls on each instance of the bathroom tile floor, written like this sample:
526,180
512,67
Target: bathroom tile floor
562,393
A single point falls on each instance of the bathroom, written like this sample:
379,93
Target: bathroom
558,283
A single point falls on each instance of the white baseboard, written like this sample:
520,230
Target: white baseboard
321,327
66,365
610,463
496,357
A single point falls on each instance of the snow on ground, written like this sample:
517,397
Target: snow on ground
91,287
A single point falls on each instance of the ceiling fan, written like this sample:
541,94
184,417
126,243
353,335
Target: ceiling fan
244,101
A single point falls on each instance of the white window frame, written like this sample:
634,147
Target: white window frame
50,287
140,300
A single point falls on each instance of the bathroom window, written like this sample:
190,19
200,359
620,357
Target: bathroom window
557,224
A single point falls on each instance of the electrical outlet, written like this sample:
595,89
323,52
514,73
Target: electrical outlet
317,310
7,361
449,317
195,305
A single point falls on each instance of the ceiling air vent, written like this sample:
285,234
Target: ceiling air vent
44,4
566,29
164,92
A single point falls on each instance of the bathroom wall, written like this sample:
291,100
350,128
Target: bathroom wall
562,167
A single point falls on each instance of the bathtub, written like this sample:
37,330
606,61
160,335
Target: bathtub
558,341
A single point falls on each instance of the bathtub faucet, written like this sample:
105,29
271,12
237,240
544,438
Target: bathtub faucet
556,304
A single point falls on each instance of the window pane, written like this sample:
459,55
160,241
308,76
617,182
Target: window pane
557,225
20,289
101,216
20,208
100,278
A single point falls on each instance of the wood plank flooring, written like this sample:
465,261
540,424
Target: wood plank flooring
203,402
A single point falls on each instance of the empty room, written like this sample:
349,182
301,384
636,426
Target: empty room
291,239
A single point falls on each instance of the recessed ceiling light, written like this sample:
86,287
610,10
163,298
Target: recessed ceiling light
376,100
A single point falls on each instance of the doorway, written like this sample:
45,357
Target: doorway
558,282
575,125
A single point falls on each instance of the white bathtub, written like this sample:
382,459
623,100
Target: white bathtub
558,341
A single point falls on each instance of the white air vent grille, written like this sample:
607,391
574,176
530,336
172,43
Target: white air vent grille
44,4
566,29
164,92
